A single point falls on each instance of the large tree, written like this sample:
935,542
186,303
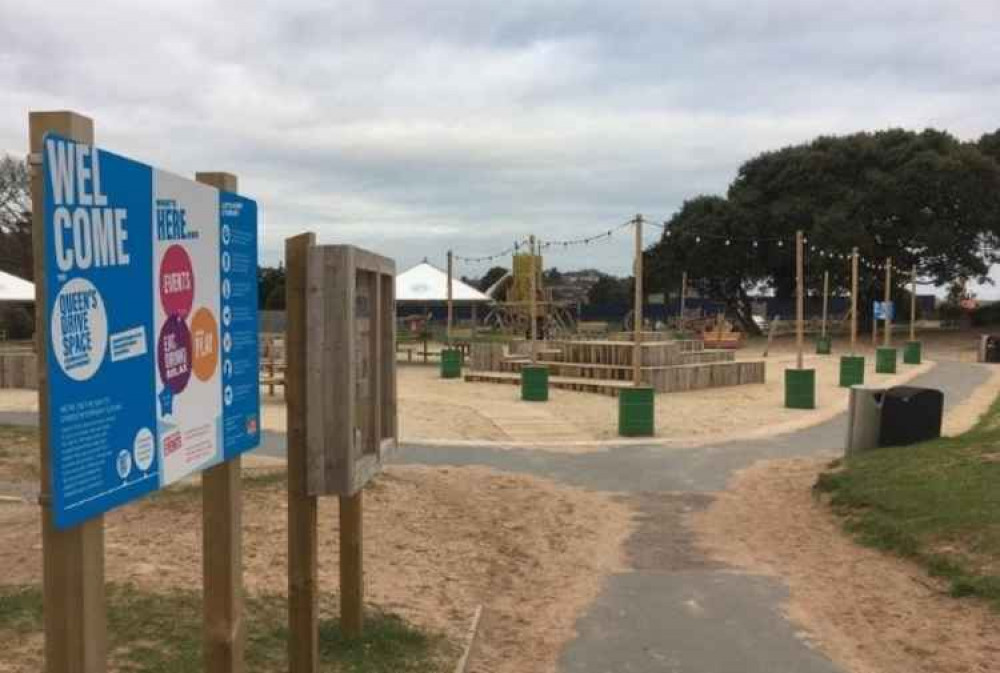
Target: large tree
15,218
924,199
491,277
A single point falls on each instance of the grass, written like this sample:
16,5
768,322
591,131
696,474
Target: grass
156,633
937,503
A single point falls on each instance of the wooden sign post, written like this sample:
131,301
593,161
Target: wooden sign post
222,542
72,558
303,583
637,315
341,308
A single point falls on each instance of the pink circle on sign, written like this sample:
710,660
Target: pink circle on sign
176,282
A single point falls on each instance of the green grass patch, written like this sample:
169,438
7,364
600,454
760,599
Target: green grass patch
161,633
937,503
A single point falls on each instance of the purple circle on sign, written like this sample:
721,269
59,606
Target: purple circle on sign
173,354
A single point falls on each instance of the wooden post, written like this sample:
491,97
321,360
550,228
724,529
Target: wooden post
799,296
854,299
451,263
74,607
826,299
224,632
533,301
351,565
684,282
913,303
303,606
637,315
888,298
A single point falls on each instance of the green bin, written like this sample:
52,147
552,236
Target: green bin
913,353
885,360
451,363
800,388
636,412
824,345
535,383
852,370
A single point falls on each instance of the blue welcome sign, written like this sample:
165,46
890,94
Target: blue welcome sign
151,295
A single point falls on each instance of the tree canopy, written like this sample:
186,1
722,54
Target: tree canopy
924,199
15,218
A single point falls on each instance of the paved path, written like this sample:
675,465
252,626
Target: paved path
675,610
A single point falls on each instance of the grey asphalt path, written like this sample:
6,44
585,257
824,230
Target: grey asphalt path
675,610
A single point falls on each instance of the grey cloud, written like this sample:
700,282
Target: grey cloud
412,127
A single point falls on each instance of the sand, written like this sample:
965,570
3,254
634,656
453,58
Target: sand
439,542
869,611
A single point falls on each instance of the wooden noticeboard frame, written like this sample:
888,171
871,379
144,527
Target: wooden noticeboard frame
350,367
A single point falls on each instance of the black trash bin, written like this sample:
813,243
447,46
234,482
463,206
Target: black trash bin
992,348
910,415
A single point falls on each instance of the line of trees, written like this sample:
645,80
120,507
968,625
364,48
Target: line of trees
924,199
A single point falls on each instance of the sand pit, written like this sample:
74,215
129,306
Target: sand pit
439,542
869,611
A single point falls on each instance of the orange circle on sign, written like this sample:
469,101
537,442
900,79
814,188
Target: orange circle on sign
204,343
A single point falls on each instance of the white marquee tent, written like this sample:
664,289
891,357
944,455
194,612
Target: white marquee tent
425,284
13,288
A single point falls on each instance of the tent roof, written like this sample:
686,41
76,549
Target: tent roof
426,282
13,288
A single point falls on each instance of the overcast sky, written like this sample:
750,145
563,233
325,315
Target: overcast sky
412,127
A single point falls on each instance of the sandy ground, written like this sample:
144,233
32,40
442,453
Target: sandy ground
438,543
431,408
869,611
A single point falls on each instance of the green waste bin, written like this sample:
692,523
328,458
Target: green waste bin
852,370
636,412
535,383
824,345
451,363
885,360
800,388
913,353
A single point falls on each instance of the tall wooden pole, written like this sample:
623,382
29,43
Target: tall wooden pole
451,263
799,296
222,542
854,300
637,314
73,558
913,303
351,564
684,283
533,301
826,298
888,298
303,586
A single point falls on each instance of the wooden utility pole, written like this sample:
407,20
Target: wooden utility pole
888,298
451,263
74,609
826,299
913,303
799,296
637,314
854,300
303,586
533,300
684,282
222,542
